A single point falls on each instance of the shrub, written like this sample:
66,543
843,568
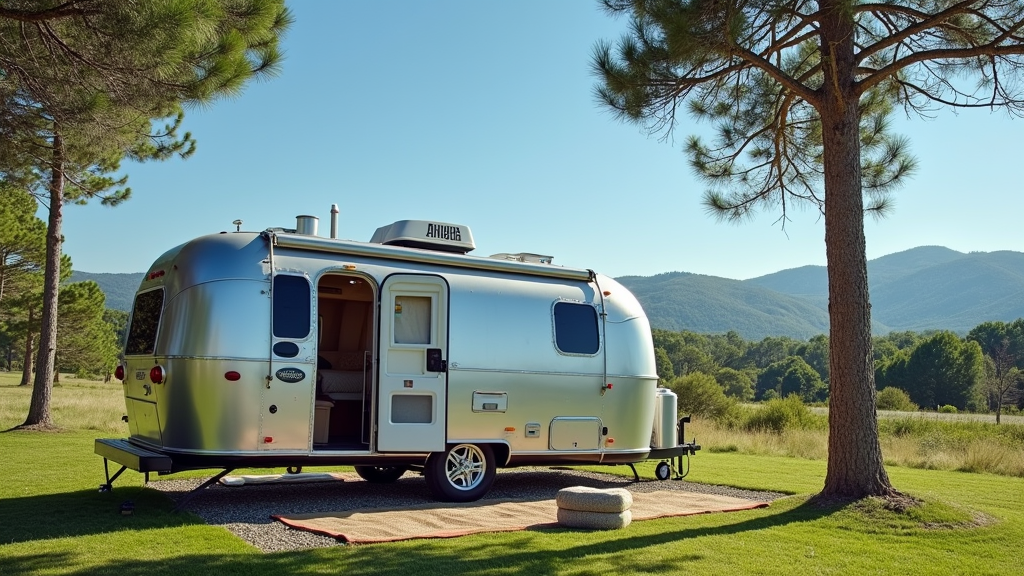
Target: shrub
792,375
892,398
902,427
700,395
780,415
947,409
736,384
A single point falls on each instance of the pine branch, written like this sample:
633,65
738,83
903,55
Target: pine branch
887,72
776,73
66,10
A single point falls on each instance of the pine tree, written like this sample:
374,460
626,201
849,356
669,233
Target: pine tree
89,83
22,236
800,93
87,344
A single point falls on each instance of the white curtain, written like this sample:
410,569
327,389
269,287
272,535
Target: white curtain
412,319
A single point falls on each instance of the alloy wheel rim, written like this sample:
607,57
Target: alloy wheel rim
465,467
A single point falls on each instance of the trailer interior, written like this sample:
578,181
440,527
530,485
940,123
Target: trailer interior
345,317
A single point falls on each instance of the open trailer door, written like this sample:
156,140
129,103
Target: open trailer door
414,364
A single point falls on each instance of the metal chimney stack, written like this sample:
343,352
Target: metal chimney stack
334,220
306,225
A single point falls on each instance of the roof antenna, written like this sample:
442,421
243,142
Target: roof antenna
238,225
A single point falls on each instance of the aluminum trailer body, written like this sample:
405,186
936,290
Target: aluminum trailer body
283,348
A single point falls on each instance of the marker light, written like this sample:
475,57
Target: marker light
119,372
232,376
157,374
607,292
156,274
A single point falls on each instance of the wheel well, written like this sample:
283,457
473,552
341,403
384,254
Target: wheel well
501,453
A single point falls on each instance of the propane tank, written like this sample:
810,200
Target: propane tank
665,413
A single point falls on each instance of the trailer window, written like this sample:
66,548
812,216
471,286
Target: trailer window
291,307
576,328
145,320
412,319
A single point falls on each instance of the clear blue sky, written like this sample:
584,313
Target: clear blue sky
482,113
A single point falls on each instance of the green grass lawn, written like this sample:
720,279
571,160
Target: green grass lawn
54,521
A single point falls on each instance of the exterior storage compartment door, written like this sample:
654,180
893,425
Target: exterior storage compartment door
575,433
413,369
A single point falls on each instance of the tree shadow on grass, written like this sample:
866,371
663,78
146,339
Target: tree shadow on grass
85,512
507,553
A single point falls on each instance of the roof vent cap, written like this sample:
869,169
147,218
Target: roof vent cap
306,225
524,257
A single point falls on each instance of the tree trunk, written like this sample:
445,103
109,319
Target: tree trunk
39,411
26,369
855,467
3,276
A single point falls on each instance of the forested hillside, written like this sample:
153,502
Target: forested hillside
925,288
812,281
683,301
119,288
956,295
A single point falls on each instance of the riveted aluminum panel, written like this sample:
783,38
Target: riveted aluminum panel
143,420
201,410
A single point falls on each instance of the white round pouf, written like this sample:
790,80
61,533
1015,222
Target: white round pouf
586,499
594,520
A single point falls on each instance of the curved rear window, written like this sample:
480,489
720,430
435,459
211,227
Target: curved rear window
145,321
576,328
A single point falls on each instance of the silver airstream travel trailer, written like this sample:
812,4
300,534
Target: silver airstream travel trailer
284,348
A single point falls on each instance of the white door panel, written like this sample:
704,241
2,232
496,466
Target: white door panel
413,371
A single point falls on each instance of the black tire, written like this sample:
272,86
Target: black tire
462,473
662,471
295,469
380,474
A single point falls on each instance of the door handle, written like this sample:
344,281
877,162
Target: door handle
434,361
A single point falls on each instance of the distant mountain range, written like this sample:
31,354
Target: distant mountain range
923,288
684,301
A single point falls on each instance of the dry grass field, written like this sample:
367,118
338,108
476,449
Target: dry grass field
76,404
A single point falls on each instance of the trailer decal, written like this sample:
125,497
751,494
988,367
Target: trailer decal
290,375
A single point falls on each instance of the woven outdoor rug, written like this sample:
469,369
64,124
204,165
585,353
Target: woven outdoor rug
438,520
